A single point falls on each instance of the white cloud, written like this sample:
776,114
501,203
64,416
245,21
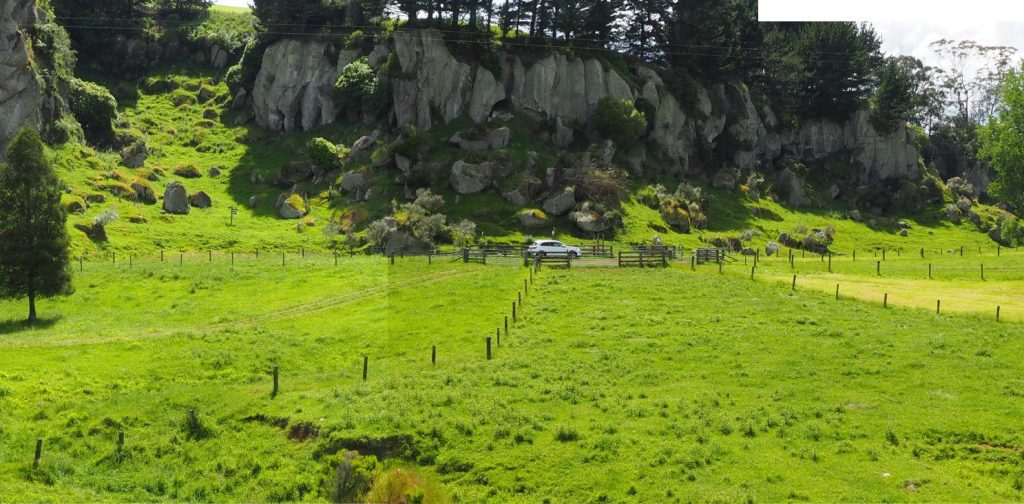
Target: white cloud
914,38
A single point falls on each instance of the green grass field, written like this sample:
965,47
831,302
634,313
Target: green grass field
613,385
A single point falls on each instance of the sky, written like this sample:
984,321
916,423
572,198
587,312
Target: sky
950,19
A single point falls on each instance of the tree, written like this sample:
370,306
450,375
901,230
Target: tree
838,61
894,101
1002,141
33,237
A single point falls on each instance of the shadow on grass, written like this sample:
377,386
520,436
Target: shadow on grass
19,325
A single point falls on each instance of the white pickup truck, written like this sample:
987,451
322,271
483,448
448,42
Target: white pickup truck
546,248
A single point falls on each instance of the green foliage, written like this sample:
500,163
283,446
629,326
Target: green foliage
1002,142
895,101
1012,231
360,89
323,153
34,258
95,108
620,121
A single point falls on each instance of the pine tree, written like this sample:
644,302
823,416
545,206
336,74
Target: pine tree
33,237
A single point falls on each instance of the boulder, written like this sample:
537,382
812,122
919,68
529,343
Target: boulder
964,204
241,99
201,200
365,142
532,218
996,234
903,224
293,173
561,202
725,178
144,192
832,192
403,163
904,232
214,172
524,189
352,181
493,140
134,155
793,188
856,216
176,198
953,214
293,207
254,201
467,178
973,217
588,220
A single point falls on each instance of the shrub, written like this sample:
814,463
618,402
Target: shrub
648,196
1012,232
323,153
429,228
349,476
566,434
377,232
233,78
426,199
359,88
463,232
620,121
95,108
675,214
697,218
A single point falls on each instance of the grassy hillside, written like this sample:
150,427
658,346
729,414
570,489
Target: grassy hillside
651,385
184,114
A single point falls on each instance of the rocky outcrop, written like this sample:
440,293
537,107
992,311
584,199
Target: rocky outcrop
176,200
295,84
532,218
21,92
468,178
589,220
878,156
561,202
433,86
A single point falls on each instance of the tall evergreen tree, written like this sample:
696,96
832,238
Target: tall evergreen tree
33,237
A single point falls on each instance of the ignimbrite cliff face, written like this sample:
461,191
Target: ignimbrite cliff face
293,91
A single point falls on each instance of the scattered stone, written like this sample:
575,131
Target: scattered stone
293,207
856,216
403,163
467,178
144,192
294,173
366,142
563,135
214,172
904,232
964,204
903,224
134,156
493,140
201,200
254,201
973,217
532,218
725,178
561,202
352,181
953,213
589,220
176,198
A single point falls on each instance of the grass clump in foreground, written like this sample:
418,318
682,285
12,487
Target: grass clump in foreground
652,385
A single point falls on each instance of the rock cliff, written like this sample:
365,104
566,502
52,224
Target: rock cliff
21,94
431,86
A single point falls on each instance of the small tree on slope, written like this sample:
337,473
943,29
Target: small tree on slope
33,237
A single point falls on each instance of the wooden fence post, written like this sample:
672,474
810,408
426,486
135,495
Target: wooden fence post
929,271
392,258
120,441
837,292
938,306
366,365
794,282
878,268
830,262
997,313
513,311
433,355
497,335
274,393
488,348
39,453
885,300
181,259
983,272
752,272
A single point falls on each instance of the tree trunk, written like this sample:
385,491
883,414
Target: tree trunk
32,318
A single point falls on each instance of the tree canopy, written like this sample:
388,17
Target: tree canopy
33,238
1002,141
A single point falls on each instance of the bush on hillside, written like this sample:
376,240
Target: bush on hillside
620,121
426,199
377,232
95,108
323,153
1012,231
359,88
